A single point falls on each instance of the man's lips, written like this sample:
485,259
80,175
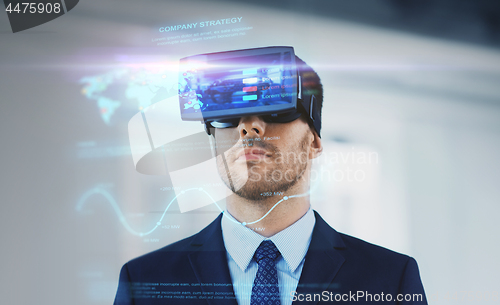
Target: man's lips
252,154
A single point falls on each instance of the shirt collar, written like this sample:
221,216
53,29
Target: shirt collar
292,242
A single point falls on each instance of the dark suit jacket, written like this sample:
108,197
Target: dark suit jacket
195,271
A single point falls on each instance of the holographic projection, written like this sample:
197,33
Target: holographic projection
121,217
165,141
118,94
136,87
201,31
181,155
99,191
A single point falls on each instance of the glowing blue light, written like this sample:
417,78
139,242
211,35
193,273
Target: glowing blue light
249,97
249,71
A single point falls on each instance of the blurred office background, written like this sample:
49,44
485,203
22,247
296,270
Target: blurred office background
411,86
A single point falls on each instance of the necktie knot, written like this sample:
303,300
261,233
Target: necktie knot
266,249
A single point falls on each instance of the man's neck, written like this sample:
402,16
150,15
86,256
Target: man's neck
282,216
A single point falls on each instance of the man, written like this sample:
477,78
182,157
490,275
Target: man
269,247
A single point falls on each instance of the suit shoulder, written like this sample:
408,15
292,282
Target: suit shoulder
374,253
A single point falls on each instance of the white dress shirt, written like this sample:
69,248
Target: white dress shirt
241,243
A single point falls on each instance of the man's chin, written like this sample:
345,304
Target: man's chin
262,189
251,193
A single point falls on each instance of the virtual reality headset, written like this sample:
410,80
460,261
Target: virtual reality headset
220,88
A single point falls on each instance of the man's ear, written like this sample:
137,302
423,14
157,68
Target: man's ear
316,146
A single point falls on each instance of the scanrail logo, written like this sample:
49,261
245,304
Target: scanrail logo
26,15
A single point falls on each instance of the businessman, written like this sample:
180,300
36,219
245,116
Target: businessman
269,246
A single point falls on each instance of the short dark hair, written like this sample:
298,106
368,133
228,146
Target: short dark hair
311,84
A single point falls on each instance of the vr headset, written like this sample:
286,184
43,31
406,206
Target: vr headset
220,88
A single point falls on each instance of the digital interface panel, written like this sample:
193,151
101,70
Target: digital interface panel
210,85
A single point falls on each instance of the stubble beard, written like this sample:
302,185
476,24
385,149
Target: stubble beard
260,182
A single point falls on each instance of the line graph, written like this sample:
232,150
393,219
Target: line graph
102,192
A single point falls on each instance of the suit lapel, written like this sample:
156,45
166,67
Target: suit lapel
209,263
322,261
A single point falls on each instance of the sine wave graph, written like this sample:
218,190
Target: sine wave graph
102,192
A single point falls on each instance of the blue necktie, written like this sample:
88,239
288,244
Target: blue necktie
265,290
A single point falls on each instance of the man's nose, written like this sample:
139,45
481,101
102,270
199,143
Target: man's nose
251,127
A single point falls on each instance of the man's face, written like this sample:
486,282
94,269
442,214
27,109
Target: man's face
263,158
